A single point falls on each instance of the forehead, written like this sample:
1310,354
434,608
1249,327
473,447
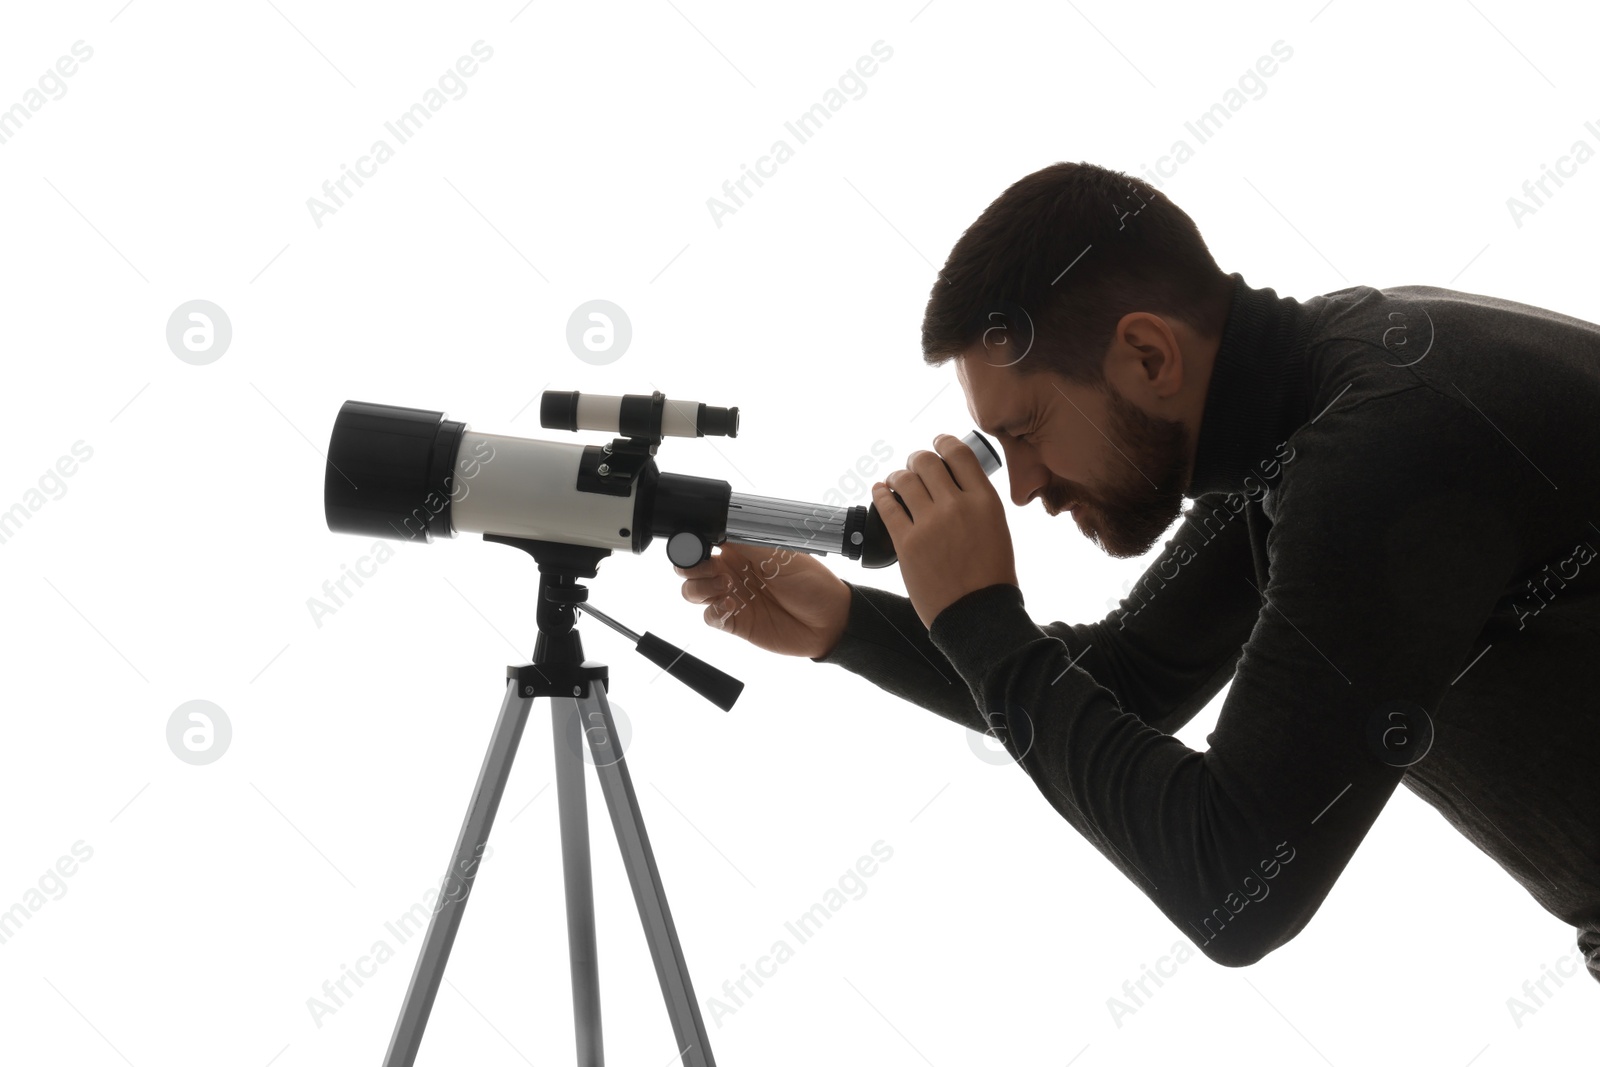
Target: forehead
995,393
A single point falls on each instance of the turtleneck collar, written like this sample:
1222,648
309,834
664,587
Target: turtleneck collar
1258,394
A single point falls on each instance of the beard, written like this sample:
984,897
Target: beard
1125,518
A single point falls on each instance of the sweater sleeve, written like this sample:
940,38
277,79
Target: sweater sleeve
1175,639
1386,555
1148,652
885,642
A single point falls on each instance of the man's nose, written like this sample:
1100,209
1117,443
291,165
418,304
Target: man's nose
1026,481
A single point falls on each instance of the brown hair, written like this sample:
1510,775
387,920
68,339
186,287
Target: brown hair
1058,259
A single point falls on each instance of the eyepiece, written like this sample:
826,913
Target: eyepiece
719,422
558,410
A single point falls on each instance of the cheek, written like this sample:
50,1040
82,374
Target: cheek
1062,462
1083,451
1034,460
1070,465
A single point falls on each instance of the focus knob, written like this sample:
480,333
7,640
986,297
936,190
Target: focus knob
685,549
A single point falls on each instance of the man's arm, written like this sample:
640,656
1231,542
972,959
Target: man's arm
1386,555
885,643
1176,637
1165,652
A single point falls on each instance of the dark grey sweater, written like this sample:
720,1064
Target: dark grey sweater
1391,553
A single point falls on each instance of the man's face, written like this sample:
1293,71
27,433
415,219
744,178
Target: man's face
1122,471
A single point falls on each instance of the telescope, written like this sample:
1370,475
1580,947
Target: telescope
413,475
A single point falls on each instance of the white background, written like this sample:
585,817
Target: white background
178,563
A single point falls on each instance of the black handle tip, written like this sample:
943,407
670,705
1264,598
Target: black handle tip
720,688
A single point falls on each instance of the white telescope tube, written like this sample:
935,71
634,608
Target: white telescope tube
526,491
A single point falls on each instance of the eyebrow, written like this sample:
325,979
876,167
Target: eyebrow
1007,427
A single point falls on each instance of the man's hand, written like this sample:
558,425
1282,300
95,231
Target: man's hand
955,541
776,598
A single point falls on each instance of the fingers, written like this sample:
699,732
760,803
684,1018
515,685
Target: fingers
893,515
701,590
708,579
963,464
912,489
936,480
706,568
710,582
928,477
721,613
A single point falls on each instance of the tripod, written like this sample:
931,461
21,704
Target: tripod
577,692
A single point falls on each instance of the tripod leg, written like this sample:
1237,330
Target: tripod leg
452,902
648,894
568,733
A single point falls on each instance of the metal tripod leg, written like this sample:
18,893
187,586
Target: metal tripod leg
457,884
574,813
588,717
594,713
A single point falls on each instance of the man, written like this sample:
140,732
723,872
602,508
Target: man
1390,552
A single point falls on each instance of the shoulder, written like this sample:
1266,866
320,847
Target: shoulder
1363,343
1414,463
1378,317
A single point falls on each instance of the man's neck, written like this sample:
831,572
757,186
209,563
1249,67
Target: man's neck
1256,389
